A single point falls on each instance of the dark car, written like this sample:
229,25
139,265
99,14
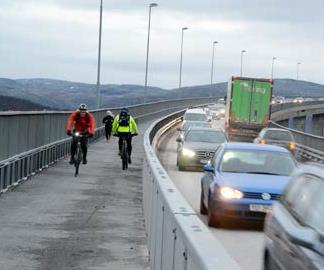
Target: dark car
243,180
295,229
198,146
277,136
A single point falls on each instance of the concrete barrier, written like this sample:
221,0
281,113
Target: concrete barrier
177,238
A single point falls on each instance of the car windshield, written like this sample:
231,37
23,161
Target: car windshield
257,162
195,117
187,125
279,135
212,136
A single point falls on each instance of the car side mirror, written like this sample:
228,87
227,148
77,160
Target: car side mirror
208,168
179,139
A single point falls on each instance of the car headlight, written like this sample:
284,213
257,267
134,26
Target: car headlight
188,152
292,145
230,193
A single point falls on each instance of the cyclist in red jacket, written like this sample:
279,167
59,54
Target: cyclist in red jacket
81,121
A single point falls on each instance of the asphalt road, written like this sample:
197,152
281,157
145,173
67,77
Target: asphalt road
95,221
244,242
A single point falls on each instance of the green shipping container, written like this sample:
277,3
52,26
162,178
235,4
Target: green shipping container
250,101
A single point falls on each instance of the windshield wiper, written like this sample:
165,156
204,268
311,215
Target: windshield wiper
262,173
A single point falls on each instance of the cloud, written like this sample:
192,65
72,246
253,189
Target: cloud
59,39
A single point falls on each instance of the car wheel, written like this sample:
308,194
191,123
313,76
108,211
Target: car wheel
212,220
180,166
203,209
269,263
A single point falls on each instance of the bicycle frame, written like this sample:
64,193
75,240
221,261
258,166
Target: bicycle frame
78,153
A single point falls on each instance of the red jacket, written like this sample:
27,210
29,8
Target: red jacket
81,124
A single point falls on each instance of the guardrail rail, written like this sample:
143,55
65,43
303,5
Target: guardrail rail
177,238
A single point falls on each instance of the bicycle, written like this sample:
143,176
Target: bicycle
78,153
124,153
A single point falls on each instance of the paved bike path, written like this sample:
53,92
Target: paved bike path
94,221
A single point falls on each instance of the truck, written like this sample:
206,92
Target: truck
248,107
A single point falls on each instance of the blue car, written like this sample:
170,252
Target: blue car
243,180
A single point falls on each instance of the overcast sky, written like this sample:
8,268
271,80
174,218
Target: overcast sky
59,39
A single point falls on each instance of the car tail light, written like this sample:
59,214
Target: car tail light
234,130
292,145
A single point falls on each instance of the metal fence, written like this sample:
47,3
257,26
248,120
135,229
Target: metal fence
24,131
309,147
50,143
177,238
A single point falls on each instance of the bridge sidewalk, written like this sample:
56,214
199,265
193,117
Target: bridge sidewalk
94,221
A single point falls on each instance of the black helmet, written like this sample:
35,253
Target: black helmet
83,108
124,111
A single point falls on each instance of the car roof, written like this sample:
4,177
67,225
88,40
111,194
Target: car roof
195,122
254,146
277,129
196,110
206,129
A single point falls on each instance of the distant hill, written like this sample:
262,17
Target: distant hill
67,95
17,104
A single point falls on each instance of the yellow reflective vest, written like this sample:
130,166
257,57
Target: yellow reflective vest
132,128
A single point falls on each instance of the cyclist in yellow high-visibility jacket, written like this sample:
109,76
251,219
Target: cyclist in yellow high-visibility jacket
124,125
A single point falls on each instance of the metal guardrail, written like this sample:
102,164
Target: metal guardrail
309,147
20,167
24,131
285,106
177,238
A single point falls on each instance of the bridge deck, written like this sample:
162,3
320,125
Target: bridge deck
94,221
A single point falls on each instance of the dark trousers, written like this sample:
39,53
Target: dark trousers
84,146
108,132
128,140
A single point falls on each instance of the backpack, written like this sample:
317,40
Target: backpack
123,120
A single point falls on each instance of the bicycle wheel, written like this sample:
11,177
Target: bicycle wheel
124,156
78,160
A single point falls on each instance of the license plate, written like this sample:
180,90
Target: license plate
260,208
204,161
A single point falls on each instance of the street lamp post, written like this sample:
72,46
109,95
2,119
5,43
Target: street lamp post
148,47
298,67
212,67
242,52
99,57
183,29
273,59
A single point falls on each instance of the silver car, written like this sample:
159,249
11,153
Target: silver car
277,136
198,146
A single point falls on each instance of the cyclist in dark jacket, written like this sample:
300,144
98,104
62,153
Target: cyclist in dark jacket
108,121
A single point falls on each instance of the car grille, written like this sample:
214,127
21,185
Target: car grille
255,195
205,154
